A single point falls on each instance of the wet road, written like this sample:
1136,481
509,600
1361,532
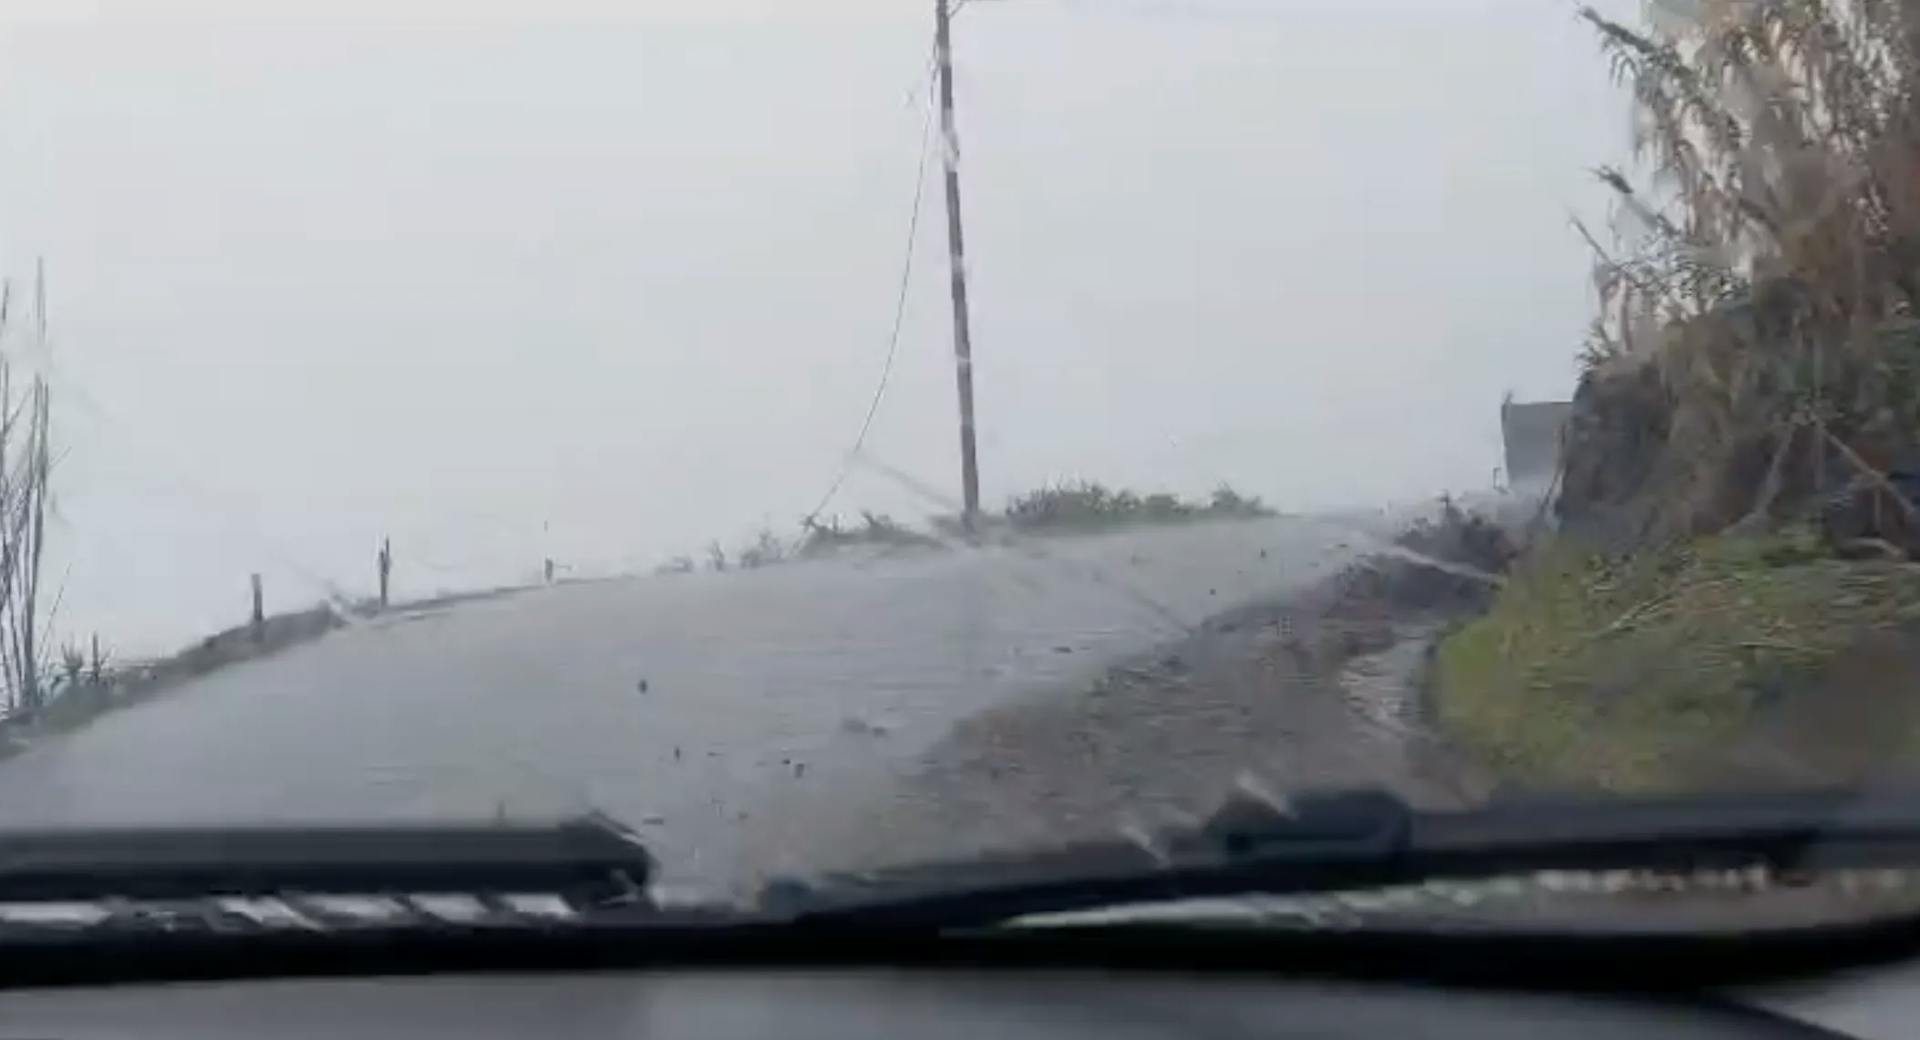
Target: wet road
692,706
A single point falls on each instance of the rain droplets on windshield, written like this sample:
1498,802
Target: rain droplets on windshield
887,431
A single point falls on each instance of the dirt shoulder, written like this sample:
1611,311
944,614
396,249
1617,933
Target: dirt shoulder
1318,690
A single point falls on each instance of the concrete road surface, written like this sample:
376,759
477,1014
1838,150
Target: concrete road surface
688,706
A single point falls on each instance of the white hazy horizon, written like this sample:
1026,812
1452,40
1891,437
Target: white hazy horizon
604,282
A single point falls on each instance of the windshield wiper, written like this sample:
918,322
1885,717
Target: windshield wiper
1316,843
1370,839
221,903
589,855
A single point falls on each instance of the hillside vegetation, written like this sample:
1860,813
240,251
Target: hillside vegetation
1732,595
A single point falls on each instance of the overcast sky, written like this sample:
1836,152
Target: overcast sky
513,279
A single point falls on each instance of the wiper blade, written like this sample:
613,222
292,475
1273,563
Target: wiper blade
1370,839
584,855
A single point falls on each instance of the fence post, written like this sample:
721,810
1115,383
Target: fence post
259,611
386,568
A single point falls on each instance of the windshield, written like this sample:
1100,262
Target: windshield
836,435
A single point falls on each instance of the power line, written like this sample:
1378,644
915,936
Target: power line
899,317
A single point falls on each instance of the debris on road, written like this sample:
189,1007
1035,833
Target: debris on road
858,725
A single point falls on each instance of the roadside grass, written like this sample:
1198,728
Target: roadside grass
1644,673
1090,505
823,537
1066,508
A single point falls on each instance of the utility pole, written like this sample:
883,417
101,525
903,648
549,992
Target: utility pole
957,261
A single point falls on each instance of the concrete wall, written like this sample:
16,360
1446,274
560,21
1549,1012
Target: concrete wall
1531,431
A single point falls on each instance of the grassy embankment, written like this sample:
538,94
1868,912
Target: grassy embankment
1717,661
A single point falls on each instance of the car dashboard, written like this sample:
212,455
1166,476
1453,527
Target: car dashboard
848,1004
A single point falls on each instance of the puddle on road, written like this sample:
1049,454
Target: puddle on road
1383,688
